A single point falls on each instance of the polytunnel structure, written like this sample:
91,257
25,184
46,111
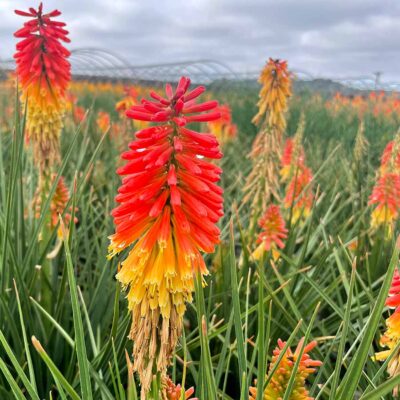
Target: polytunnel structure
100,64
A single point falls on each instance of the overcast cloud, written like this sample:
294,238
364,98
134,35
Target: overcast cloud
338,38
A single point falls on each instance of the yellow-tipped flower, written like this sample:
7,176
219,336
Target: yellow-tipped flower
103,121
223,129
58,202
274,94
44,74
278,383
273,233
390,160
299,194
391,338
293,153
169,204
385,195
386,198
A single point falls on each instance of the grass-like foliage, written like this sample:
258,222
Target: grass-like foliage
64,321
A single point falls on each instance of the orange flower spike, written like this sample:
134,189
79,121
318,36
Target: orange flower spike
131,99
390,160
169,205
299,195
276,89
44,74
287,154
273,233
386,196
293,156
58,202
174,392
103,121
278,383
128,101
393,300
79,114
223,128
391,337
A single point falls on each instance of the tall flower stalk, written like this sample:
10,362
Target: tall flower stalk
262,185
44,74
169,205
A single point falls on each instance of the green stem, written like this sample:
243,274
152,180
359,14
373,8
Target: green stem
44,238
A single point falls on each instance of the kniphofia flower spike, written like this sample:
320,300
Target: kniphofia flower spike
278,383
386,198
175,392
273,233
276,89
391,337
44,74
169,205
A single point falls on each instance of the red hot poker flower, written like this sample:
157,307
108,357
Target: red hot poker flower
292,158
279,381
174,392
386,196
58,203
273,232
44,74
390,160
299,195
393,300
391,337
224,129
169,205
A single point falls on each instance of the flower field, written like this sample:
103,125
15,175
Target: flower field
176,241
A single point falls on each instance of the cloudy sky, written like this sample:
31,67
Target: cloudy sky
338,38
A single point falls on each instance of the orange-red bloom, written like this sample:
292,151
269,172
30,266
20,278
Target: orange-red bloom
279,381
292,158
58,202
169,204
299,195
223,128
391,337
131,99
44,74
393,300
390,160
174,392
128,101
103,121
273,232
386,196
79,114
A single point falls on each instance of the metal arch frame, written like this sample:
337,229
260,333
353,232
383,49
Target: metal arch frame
111,57
98,63
109,64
